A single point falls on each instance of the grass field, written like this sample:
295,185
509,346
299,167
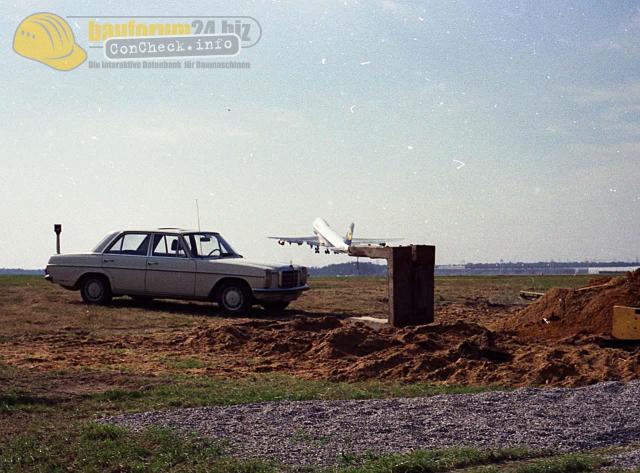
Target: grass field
63,365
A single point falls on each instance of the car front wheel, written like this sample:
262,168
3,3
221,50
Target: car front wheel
95,290
235,298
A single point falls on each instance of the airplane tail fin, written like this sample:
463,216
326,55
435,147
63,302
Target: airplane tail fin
349,237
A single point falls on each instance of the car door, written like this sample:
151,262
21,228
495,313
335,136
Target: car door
170,269
125,262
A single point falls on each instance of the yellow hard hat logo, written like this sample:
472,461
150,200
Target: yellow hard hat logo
47,38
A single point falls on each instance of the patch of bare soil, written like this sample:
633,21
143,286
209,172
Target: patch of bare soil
475,341
562,313
453,353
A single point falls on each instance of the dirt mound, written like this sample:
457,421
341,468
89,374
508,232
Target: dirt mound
350,350
451,353
562,313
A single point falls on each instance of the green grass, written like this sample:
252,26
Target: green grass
186,363
516,281
568,463
6,370
471,460
192,391
17,401
533,281
6,280
328,282
436,460
103,448
498,289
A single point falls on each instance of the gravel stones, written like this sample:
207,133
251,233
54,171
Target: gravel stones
320,432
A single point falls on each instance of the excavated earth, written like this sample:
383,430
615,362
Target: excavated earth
585,311
563,339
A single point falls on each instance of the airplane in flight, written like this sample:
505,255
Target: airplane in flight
328,238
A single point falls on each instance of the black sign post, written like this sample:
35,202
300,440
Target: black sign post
58,229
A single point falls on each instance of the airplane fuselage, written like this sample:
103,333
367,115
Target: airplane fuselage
328,237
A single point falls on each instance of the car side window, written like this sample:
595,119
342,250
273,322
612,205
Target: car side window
205,245
130,244
168,246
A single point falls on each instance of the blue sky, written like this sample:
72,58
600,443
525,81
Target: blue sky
354,111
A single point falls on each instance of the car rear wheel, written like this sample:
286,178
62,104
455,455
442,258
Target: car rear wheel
235,298
95,290
275,307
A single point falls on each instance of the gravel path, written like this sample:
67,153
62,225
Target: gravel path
319,432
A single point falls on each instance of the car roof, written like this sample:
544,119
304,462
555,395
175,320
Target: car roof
165,230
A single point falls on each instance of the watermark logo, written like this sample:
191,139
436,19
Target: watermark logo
152,38
131,42
48,38
172,46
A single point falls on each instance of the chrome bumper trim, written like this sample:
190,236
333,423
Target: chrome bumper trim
282,289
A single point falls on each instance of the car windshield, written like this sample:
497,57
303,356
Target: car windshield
103,243
209,245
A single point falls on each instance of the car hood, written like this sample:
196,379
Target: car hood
245,264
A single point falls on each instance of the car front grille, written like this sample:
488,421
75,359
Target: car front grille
289,279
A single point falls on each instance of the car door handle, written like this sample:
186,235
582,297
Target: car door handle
152,263
108,261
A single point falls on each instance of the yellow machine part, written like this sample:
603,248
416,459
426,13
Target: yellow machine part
626,323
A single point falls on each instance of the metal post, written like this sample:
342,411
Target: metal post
58,229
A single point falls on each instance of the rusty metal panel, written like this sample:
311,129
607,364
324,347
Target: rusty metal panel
400,267
424,258
411,272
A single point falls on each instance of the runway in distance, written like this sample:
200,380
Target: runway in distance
326,237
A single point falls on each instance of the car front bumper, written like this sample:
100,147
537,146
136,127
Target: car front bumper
279,293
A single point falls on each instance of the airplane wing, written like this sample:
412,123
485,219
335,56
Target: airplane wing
374,241
298,240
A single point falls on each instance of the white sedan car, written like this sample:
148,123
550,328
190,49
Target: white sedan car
176,264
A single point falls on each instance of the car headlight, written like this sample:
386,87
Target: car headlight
271,278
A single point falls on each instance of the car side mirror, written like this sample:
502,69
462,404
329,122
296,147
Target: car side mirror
174,245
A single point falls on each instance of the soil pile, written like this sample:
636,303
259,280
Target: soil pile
451,353
562,313
351,350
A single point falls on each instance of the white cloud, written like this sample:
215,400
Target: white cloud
612,109
626,92
628,46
